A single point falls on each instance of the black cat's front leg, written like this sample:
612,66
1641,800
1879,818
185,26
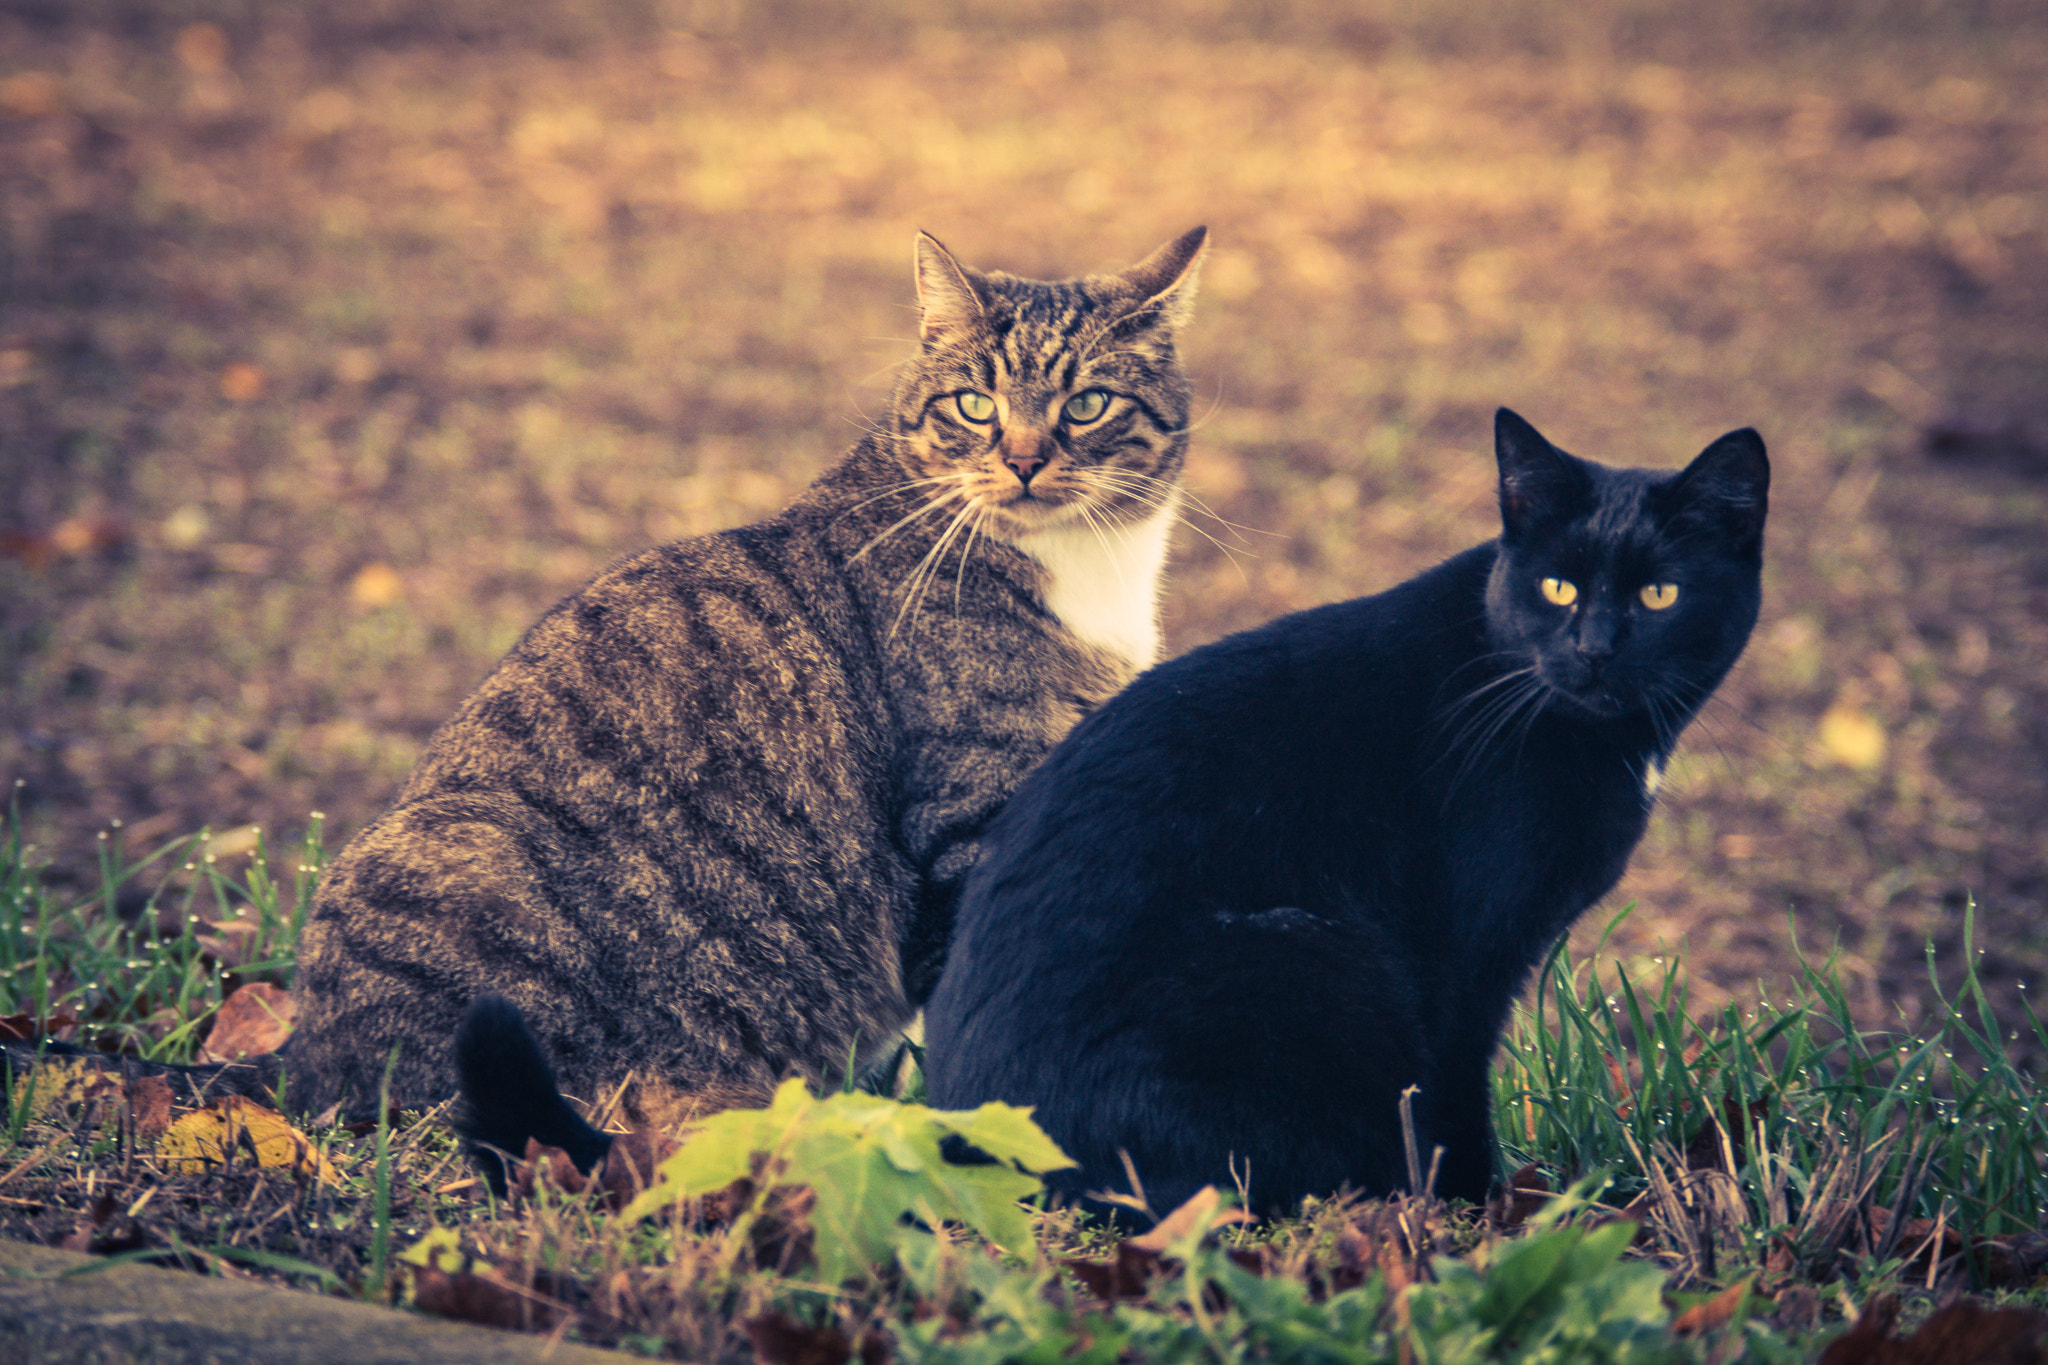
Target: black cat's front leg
1463,1124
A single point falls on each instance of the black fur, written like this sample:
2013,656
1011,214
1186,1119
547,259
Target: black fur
509,1094
1281,878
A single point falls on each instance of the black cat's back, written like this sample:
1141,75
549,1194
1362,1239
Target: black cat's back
1281,879
1159,959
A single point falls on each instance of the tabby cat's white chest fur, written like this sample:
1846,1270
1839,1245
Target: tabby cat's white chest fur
1103,583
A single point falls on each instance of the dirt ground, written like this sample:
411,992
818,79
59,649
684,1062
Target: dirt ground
338,341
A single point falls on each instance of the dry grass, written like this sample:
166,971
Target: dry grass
338,342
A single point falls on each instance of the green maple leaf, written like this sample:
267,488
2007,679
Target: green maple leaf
872,1164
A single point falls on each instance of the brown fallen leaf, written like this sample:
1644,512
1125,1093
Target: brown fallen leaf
2011,1262
630,1166
1201,1209
621,1174
1961,1332
257,1018
104,1230
1526,1192
67,539
1712,1314
1124,1275
241,382
149,1106
483,1297
235,1128
26,1028
781,1340
1707,1153
1625,1095
549,1166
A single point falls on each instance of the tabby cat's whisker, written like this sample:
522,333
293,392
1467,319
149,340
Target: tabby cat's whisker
920,579
981,516
966,521
1190,498
1092,517
1151,496
926,509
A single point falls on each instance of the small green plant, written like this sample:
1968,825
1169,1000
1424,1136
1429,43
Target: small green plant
1563,1292
872,1163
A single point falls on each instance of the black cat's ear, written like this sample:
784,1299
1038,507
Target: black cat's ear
1537,480
1727,485
1163,284
948,293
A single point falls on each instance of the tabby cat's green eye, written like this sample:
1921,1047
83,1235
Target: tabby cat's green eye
1086,406
975,407
1560,591
1657,596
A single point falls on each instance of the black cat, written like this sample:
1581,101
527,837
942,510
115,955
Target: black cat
1278,880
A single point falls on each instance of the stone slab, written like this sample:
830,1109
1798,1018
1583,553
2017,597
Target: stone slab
143,1315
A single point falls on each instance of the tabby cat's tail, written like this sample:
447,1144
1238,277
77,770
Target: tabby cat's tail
509,1094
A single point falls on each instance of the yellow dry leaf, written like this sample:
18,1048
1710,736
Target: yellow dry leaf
236,1125
376,585
63,1084
1851,738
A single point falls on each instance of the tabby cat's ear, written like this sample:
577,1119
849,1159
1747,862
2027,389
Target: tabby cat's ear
948,293
1726,486
1538,482
1164,282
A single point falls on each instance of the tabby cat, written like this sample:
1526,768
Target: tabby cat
708,822
1281,879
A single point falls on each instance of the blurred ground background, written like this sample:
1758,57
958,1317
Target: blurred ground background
340,339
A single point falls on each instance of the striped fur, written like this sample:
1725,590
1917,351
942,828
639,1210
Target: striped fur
706,824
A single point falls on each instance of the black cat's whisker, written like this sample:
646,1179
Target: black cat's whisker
1511,700
1514,699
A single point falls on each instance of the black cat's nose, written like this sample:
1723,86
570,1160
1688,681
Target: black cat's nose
1595,644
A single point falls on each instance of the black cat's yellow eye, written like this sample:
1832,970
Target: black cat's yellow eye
1560,591
1657,596
1086,406
975,407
